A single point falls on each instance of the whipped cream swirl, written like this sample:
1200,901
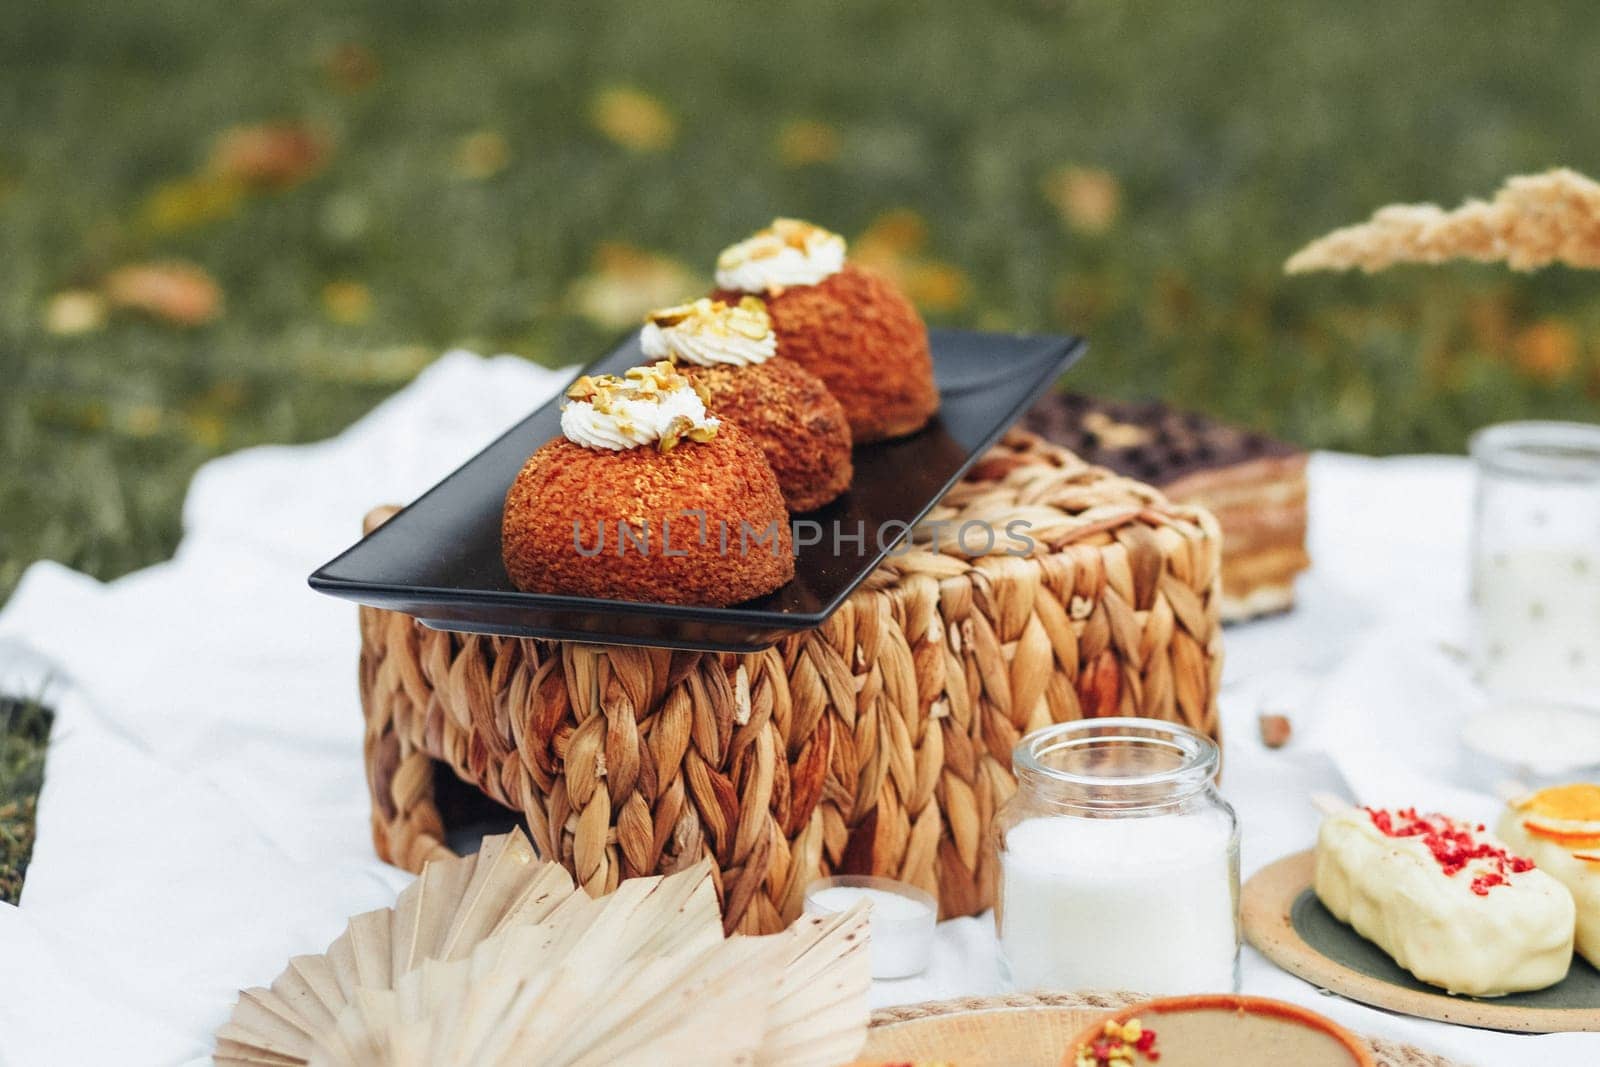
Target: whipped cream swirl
652,405
709,333
789,252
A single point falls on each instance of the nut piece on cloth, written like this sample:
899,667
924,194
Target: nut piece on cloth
488,954
1275,730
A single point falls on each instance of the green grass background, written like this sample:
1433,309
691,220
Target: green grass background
1234,131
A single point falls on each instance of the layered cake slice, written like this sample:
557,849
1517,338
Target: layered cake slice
1254,484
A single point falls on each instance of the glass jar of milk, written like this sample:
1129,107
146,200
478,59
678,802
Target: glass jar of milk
1536,563
1119,862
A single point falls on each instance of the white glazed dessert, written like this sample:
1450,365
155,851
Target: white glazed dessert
1446,900
1559,829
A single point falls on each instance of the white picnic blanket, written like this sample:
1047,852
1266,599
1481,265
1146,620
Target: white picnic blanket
204,815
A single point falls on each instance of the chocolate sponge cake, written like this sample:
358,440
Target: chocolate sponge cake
1254,484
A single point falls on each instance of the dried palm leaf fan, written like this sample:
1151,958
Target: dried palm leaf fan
444,914
490,957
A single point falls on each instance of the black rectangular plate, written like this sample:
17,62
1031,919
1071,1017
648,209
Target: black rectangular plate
439,558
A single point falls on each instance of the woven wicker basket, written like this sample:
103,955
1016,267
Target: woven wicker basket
878,743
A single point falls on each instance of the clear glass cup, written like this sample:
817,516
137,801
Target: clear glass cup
1119,862
1536,563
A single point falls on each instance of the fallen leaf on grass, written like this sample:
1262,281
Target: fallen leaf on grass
206,430
141,420
347,302
75,311
803,142
627,283
352,67
178,293
893,246
273,155
482,155
891,235
1547,350
189,202
1088,199
633,119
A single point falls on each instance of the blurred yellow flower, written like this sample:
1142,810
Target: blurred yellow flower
75,311
347,302
627,283
1546,350
936,286
189,202
206,429
633,118
892,234
1087,199
803,142
482,155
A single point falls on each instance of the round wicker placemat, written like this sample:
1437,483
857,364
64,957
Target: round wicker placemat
1027,1030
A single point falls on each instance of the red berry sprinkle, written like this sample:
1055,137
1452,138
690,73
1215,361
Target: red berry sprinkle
1453,845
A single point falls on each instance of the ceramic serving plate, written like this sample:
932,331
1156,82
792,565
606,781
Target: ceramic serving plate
439,558
1288,924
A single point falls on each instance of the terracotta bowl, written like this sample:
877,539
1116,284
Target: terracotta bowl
1253,1025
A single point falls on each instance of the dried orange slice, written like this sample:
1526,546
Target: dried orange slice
1569,815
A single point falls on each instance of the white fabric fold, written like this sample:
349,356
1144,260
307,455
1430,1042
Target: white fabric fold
205,816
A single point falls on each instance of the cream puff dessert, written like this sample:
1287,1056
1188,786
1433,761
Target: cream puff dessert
1448,901
646,496
1559,829
846,325
728,351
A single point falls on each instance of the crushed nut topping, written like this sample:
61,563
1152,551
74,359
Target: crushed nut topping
652,383
783,234
748,318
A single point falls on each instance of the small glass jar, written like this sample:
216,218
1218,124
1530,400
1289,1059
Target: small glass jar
1536,563
1119,862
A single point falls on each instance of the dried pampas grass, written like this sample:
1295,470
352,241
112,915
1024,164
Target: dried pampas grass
497,958
1533,221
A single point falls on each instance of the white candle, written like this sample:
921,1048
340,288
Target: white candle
1147,904
900,923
